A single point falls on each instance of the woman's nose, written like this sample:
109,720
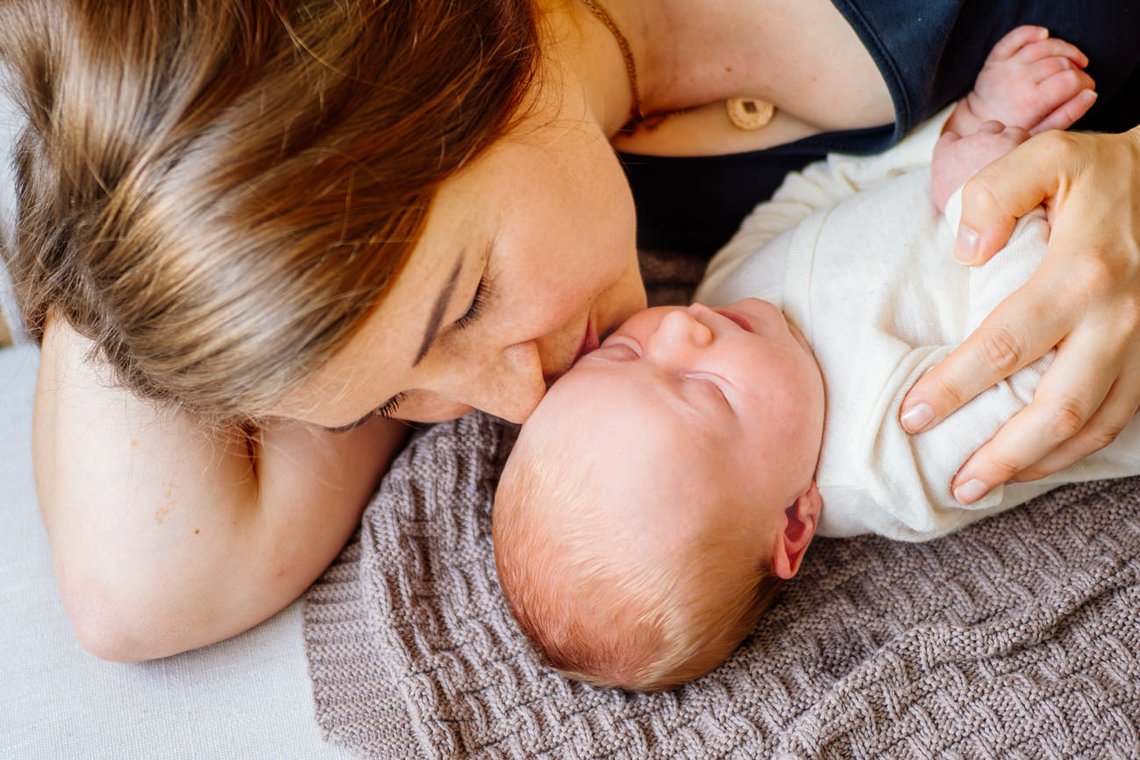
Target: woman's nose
679,331
509,387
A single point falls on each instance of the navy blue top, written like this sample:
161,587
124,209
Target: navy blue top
929,53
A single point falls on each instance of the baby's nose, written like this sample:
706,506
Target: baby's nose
682,329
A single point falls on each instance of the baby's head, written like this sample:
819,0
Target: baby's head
660,493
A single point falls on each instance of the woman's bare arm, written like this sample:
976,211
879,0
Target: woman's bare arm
165,537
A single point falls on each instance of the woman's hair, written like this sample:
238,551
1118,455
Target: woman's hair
217,192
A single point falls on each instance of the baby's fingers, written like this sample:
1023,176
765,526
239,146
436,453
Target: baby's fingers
1049,68
1051,48
1033,43
1067,114
1015,40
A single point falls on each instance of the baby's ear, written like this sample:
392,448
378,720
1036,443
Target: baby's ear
799,528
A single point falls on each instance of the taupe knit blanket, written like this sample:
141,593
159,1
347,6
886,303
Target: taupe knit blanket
1018,637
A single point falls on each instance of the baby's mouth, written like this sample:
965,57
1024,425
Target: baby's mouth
739,319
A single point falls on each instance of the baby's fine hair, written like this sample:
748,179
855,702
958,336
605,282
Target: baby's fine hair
216,192
595,610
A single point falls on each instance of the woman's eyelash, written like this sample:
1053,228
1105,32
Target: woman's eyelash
477,304
390,407
385,412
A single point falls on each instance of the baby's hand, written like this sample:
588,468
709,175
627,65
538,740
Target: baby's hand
1030,80
957,158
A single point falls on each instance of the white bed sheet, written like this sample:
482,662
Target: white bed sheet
247,698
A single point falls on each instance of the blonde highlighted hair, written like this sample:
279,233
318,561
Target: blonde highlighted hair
217,192
599,607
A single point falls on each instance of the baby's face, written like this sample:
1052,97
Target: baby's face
729,400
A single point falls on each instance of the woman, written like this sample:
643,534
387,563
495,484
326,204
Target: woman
251,232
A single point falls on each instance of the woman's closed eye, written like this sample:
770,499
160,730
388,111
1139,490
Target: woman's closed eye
478,304
390,406
384,411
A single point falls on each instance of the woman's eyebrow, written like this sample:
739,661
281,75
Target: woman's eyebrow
434,321
437,311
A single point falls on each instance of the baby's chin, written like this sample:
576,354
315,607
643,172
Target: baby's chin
800,338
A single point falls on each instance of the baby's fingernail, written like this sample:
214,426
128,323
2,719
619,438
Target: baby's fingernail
970,491
966,247
915,419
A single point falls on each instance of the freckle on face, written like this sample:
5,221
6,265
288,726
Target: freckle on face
164,509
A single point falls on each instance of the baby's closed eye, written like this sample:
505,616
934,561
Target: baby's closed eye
711,387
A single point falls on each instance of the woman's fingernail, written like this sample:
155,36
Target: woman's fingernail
970,491
966,247
915,419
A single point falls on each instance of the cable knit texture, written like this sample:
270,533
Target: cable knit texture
1018,637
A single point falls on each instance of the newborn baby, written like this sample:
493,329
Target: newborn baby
670,481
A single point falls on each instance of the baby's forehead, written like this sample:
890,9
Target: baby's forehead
612,395
633,463
606,417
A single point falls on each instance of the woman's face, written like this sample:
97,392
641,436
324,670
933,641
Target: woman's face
528,257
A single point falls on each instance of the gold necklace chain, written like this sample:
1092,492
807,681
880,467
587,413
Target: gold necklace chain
635,114
748,114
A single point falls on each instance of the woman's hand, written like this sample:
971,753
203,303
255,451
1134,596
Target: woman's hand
1084,300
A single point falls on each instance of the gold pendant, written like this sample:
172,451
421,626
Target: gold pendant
749,114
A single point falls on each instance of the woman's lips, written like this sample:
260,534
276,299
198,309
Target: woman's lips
588,344
589,341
